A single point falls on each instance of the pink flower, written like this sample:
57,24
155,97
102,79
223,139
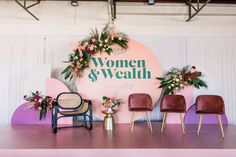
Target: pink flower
39,108
74,74
113,32
193,67
81,47
85,44
93,40
78,65
81,54
91,47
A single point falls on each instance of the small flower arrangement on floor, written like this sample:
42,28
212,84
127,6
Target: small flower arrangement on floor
110,103
177,79
39,102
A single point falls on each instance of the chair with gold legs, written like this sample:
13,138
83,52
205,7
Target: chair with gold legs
174,104
140,102
210,104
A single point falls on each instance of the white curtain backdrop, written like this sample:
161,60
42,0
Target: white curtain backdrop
216,56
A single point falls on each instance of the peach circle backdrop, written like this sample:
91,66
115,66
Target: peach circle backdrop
121,88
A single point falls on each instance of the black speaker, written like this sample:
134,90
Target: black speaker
74,3
151,2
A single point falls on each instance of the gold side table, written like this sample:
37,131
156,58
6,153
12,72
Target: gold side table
109,123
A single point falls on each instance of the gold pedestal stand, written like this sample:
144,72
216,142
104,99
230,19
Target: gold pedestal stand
109,123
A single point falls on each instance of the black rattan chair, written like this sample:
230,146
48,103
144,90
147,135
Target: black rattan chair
71,104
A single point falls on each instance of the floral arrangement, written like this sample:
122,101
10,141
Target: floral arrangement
41,103
110,103
97,43
177,79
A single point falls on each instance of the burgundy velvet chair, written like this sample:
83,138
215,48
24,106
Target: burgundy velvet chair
140,102
210,104
173,104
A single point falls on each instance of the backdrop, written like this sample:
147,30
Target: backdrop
214,55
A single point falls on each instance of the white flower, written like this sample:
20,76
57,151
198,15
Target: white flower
120,38
106,40
169,87
177,80
100,45
181,85
172,85
112,38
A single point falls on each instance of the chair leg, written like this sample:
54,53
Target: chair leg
199,124
149,121
132,122
182,123
132,117
163,122
221,126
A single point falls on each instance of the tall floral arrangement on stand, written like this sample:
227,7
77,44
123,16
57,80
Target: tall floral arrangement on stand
41,103
177,79
97,43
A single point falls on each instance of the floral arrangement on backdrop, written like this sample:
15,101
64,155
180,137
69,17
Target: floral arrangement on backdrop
177,79
111,103
41,103
97,43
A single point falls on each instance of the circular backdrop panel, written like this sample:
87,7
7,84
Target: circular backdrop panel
118,75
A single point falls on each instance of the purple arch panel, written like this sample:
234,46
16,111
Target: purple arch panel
25,115
192,118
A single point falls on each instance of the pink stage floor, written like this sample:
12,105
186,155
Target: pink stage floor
41,137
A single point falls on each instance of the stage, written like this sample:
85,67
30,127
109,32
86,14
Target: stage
28,140
41,137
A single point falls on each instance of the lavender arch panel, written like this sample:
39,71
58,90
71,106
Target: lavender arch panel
192,118
25,115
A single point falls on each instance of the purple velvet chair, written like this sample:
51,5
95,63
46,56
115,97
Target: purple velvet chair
140,102
210,104
174,104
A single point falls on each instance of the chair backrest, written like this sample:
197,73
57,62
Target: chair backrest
210,104
173,103
140,102
69,100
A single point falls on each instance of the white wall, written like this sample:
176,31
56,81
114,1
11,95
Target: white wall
19,54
